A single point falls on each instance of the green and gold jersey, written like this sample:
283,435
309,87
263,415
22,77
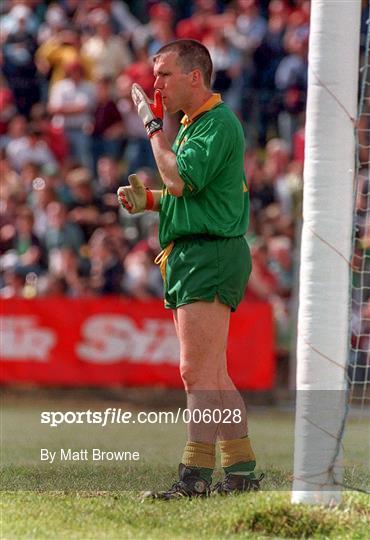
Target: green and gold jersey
210,160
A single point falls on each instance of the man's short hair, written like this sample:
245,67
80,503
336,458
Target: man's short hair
191,55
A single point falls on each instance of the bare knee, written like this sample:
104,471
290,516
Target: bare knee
189,376
195,378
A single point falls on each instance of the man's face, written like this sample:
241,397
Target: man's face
174,84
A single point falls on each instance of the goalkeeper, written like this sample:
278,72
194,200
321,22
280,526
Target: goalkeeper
205,262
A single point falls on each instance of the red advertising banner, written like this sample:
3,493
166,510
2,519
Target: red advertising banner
108,341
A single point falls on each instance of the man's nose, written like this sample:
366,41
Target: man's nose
158,84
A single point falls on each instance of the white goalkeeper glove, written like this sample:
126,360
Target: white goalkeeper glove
151,113
136,197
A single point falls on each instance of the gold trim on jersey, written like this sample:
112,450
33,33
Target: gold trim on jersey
214,100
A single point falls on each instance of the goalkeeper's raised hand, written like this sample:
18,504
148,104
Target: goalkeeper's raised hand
136,197
150,112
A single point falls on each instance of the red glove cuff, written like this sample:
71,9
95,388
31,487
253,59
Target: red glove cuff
149,200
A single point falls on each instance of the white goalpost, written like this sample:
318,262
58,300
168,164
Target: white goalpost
323,319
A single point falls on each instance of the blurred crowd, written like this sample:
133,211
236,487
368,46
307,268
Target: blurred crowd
69,137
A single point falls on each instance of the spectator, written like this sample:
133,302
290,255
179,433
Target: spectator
11,188
123,21
266,59
106,268
60,231
280,255
69,269
107,182
107,124
85,206
29,149
55,22
138,270
18,17
150,246
12,283
299,17
202,22
7,108
71,103
111,227
19,66
56,177
227,67
291,81
261,187
276,169
246,35
249,29
108,53
158,31
298,140
141,71
263,284
42,194
70,8
50,285
26,244
9,208
53,134
55,55
17,130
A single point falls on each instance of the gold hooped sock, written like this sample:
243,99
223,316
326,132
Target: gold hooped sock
237,456
198,454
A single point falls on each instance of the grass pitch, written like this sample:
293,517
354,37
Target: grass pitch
82,500
120,516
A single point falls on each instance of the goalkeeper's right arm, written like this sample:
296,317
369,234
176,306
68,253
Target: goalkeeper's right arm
137,198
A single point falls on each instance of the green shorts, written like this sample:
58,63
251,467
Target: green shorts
203,267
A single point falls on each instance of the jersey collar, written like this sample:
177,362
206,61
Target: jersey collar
214,100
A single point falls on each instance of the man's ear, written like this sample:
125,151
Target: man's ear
196,77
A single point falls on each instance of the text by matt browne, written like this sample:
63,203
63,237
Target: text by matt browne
87,454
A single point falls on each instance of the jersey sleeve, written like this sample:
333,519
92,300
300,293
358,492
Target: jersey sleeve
202,156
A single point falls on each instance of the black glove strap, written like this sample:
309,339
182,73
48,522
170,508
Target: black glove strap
153,126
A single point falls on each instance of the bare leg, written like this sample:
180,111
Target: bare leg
202,328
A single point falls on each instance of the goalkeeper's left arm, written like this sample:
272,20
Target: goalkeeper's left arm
137,198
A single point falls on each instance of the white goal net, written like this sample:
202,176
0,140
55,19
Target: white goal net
359,361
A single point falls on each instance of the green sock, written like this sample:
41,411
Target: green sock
200,456
244,468
205,474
